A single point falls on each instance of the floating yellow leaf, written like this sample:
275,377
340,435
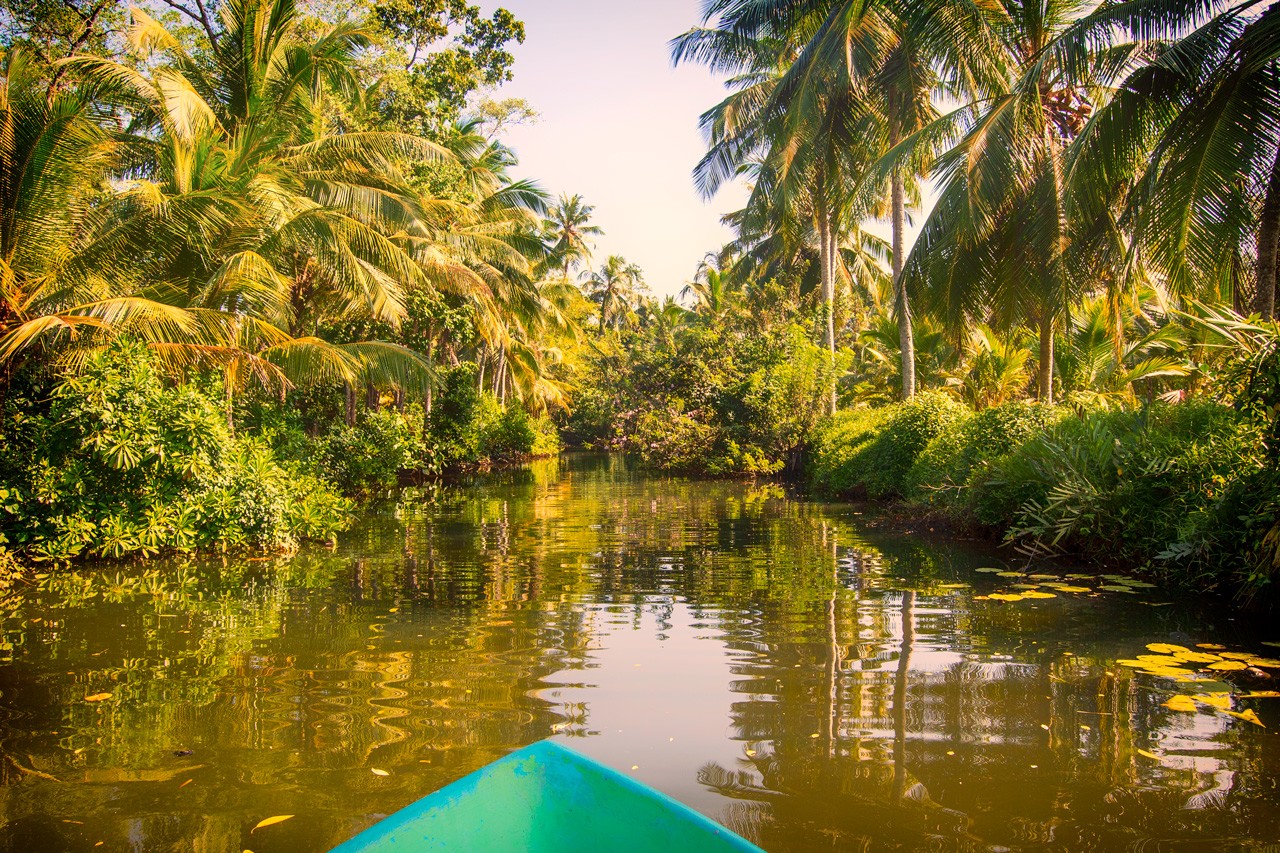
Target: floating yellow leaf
1198,657
1167,648
1237,655
1265,663
1249,716
1006,596
1136,664
1181,703
1211,646
271,821
97,697
376,772
1228,665
1074,589
1151,755
1221,701
1159,660
1262,694
1038,595
1009,575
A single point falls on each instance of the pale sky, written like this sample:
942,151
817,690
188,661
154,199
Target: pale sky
619,126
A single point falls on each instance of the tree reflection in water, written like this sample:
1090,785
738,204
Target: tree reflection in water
838,688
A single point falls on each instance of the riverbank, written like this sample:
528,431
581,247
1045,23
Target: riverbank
1182,491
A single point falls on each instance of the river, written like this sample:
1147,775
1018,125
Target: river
808,679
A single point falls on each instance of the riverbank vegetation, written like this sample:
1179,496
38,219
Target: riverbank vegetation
260,260
256,260
1105,188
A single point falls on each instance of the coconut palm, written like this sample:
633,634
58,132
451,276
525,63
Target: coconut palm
614,288
243,204
56,283
568,231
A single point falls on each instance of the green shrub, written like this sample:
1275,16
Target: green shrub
117,463
871,454
836,464
369,456
955,457
1136,486
468,426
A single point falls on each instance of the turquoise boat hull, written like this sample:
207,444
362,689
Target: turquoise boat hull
546,797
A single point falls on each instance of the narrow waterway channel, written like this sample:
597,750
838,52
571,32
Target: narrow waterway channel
772,662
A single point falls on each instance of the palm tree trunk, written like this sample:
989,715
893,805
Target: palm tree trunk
906,335
372,399
1044,379
350,412
1264,298
826,264
230,403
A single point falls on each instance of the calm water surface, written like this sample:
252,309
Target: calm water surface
813,684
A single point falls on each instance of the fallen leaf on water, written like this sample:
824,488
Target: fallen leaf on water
1006,596
989,571
1211,646
1237,655
1074,589
1265,663
271,821
1221,701
97,697
185,784
1229,665
1199,657
1249,716
1167,648
376,772
1181,703
1151,755
1038,595
1261,694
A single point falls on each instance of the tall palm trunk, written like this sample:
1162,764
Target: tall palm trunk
1055,271
826,263
1264,298
1044,375
906,334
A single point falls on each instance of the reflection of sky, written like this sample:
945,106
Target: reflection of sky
652,701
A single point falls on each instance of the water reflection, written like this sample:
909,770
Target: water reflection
774,663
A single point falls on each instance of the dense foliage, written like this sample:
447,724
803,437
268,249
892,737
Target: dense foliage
116,462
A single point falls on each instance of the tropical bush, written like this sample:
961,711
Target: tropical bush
714,399
369,456
955,458
116,462
872,454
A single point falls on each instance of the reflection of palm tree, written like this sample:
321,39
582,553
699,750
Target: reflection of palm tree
900,697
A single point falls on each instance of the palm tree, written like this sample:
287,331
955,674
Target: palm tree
614,288
802,151
245,206
568,231
891,58
713,288
1194,130
57,284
